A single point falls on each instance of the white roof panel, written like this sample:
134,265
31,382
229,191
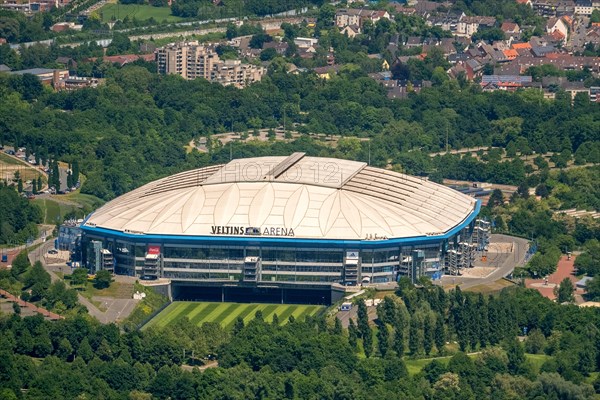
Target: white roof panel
319,198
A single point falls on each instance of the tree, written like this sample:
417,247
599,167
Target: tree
542,190
268,54
516,356
16,308
20,185
440,334
352,334
367,336
398,344
337,327
496,199
593,289
414,336
257,41
75,172
103,279
79,276
85,350
428,335
65,350
20,264
564,292
383,339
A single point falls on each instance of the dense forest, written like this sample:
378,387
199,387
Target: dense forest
317,358
234,8
18,217
140,122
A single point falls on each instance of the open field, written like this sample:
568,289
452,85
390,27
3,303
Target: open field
53,211
9,165
414,366
227,313
111,12
492,287
87,201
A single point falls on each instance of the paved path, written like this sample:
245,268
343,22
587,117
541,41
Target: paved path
345,316
503,263
117,309
30,306
565,269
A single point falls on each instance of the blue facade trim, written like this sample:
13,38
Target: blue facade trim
282,242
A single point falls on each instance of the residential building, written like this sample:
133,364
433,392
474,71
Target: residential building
504,82
192,60
557,24
76,82
511,30
122,59
593,36
234,72
328,71
280,47
351,31
47,76
468,26
353,16
583,7
64,26
304,43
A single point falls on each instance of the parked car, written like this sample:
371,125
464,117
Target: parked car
52,251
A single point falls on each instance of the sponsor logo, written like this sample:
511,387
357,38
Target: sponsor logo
251,231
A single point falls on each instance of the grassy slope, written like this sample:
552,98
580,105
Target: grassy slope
110,12
53,211
415,366
227,313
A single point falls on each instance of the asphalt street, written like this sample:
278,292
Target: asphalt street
503,263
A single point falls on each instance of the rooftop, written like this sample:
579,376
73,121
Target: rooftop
319,198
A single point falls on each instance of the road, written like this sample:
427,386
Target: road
503,263
116,309
345,316
503,188
577,38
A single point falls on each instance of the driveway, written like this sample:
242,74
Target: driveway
510,253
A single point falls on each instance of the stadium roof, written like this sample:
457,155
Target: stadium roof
317,198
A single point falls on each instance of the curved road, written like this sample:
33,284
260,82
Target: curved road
504,263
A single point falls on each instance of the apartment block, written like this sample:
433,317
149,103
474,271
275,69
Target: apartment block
192,60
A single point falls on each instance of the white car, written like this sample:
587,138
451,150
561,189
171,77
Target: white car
52,251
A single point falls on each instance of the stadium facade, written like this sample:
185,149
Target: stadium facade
289,229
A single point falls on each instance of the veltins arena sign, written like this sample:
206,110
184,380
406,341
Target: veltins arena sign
251,231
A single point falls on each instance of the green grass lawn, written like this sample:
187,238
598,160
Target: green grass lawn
227,313
53,211
415,366
117,290
6,159
111,12
537,360
87,201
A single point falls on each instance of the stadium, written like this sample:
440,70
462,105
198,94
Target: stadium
294,229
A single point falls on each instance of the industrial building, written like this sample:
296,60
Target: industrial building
284,229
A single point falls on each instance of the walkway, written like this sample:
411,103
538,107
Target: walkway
565,269
117,309
30,306
499,264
